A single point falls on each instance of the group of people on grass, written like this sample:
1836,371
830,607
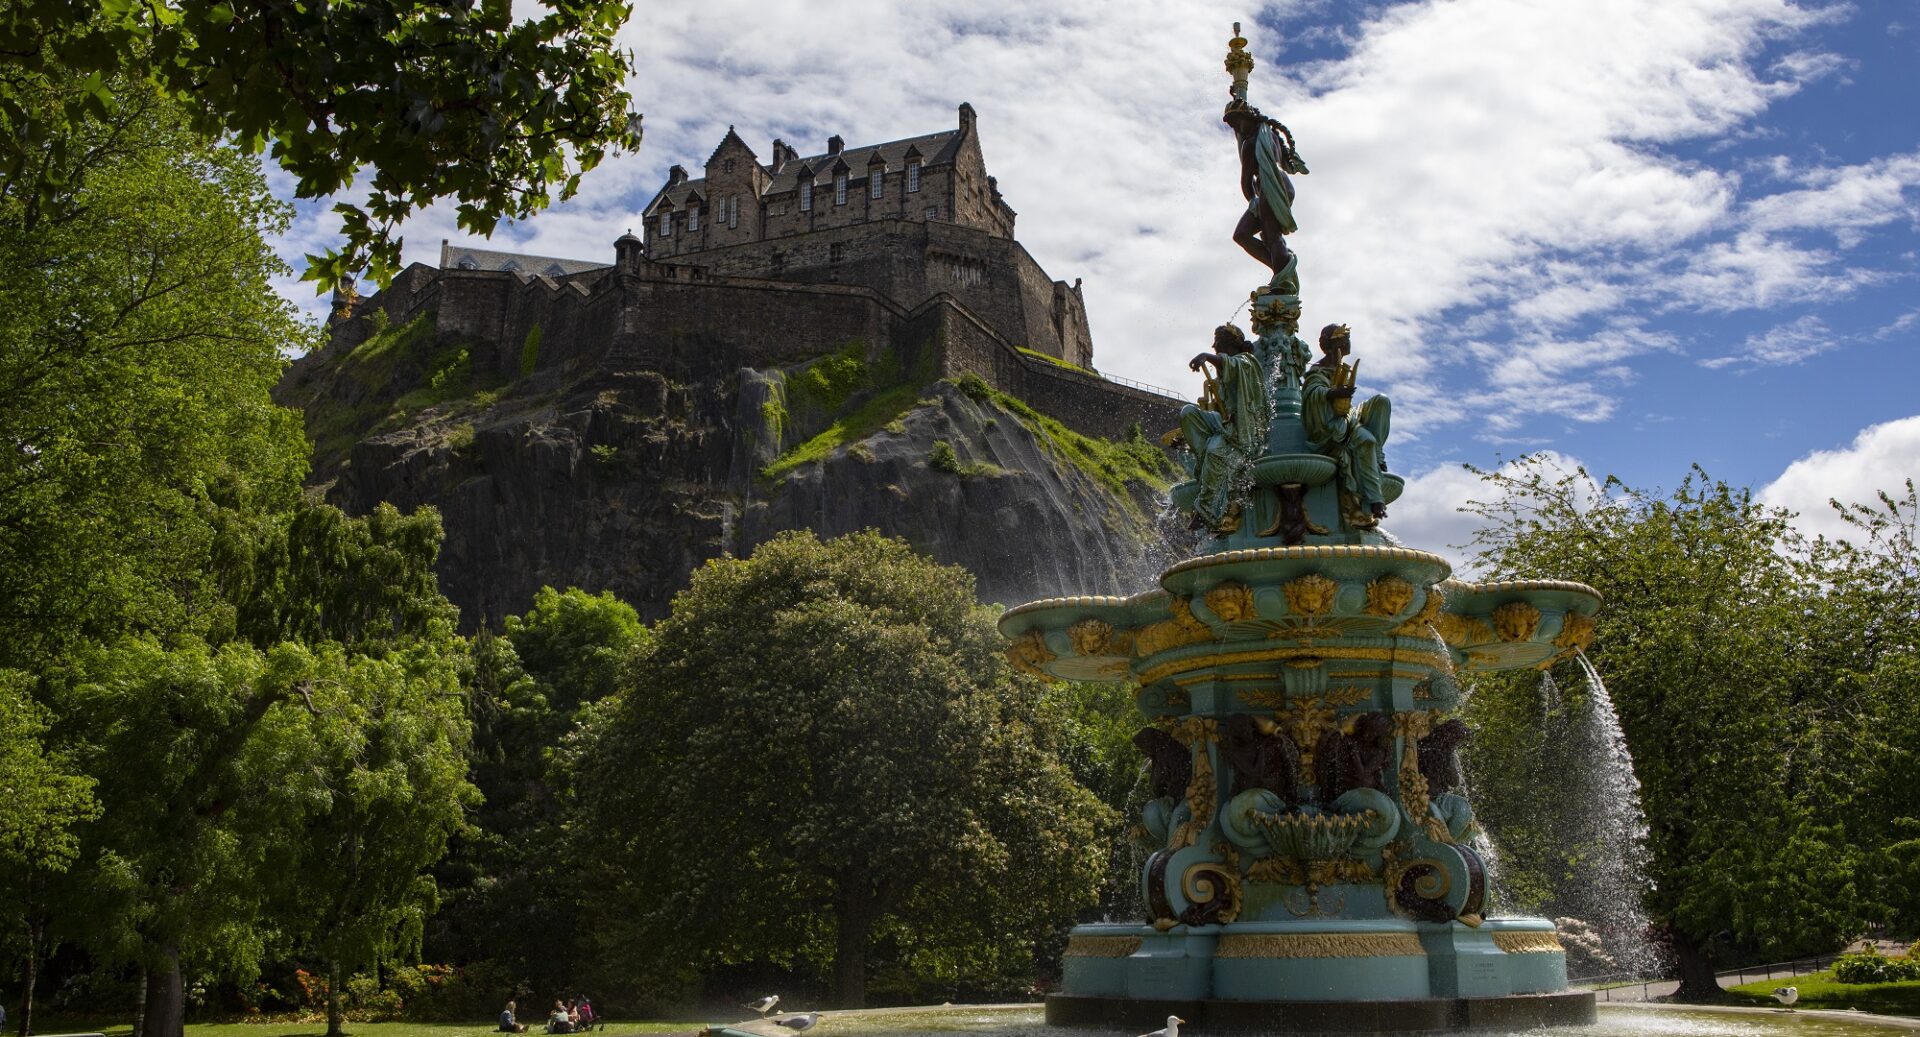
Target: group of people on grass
574,1016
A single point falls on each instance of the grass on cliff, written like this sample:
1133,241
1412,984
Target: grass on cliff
1055,361
1111,463
1821,990
445,372
868,418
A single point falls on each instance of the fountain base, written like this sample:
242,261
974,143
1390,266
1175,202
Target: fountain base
1320,976
1511,1012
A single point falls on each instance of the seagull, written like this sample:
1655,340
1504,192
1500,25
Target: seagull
1172,1028
764,1005
800,1023
1786,996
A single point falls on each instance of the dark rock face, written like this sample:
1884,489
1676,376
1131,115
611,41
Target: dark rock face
626,480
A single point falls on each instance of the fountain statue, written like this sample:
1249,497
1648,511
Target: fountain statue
1309,862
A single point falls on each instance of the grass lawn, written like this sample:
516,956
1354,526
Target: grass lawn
319,1029
1819,990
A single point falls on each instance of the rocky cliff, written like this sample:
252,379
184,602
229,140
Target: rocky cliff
605,476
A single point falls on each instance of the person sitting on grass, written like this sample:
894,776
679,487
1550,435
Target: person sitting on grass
559,1021
508,1024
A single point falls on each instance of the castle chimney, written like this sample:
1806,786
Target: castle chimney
780,152
676,176
834,144
966,119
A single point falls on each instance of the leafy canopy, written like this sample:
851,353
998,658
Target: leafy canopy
438,98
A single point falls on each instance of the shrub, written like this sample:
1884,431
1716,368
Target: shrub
942,458
530,351
1871,967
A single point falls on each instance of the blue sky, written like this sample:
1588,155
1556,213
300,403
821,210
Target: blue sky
1636,233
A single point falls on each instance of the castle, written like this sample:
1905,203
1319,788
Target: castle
905,245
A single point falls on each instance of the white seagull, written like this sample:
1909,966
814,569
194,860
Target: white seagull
800,1023
1786,996
764,1005
1172,1028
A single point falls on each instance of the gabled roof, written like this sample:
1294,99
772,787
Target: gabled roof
932,149
722,146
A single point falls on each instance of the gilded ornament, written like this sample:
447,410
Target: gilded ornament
1095,637
1101,946
1423,691
1351,695
1529,943
1310,595
1576,632
1459,631
1265,698
1305,720
1388,596
1208,884
1516,621
1029,654
1301,656
1172,633
1283,870
1195,733
1429,609
1319,945
1231,601
1413,795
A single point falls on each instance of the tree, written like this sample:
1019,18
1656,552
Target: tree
1704,641
513,880
390,738
822,752
439,99
41,803
139,337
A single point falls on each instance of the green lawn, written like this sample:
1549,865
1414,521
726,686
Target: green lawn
319,1029
1819,990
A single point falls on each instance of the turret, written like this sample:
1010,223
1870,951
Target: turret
629,252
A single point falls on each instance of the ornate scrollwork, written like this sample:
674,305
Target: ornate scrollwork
1231,601
1459,631
1097,637
1320,945
1516,621
1388,595
1529,943
1310,595
1420,888
1212,888
1029,654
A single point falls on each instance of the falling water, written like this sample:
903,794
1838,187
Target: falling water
1611,874
1550,701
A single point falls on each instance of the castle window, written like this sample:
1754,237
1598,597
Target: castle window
726,165
839,188
837,252
876,181
693,220
913,176
733,211
666,225
933,212
806,196
467,263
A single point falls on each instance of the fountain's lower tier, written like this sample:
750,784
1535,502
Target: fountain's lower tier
1321,976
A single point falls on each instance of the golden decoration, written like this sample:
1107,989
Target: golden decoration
1351,695
1310,595
1101,946
1096,637
1319,945
1305,720
1231,601
1423,691
1516,621
1429,609
1388,595
1029,654
1308,656
1178,699
1529,943
1202,798
1458,630
1414,794
1172,633
1265,698
1207,881
1363,552
1576,632
1434,885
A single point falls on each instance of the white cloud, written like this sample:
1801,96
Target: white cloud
1486,172
1783,344
1429,514
1881,458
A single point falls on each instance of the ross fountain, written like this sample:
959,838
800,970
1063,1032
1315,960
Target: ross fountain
1310,861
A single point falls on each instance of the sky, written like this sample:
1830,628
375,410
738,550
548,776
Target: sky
1637,234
